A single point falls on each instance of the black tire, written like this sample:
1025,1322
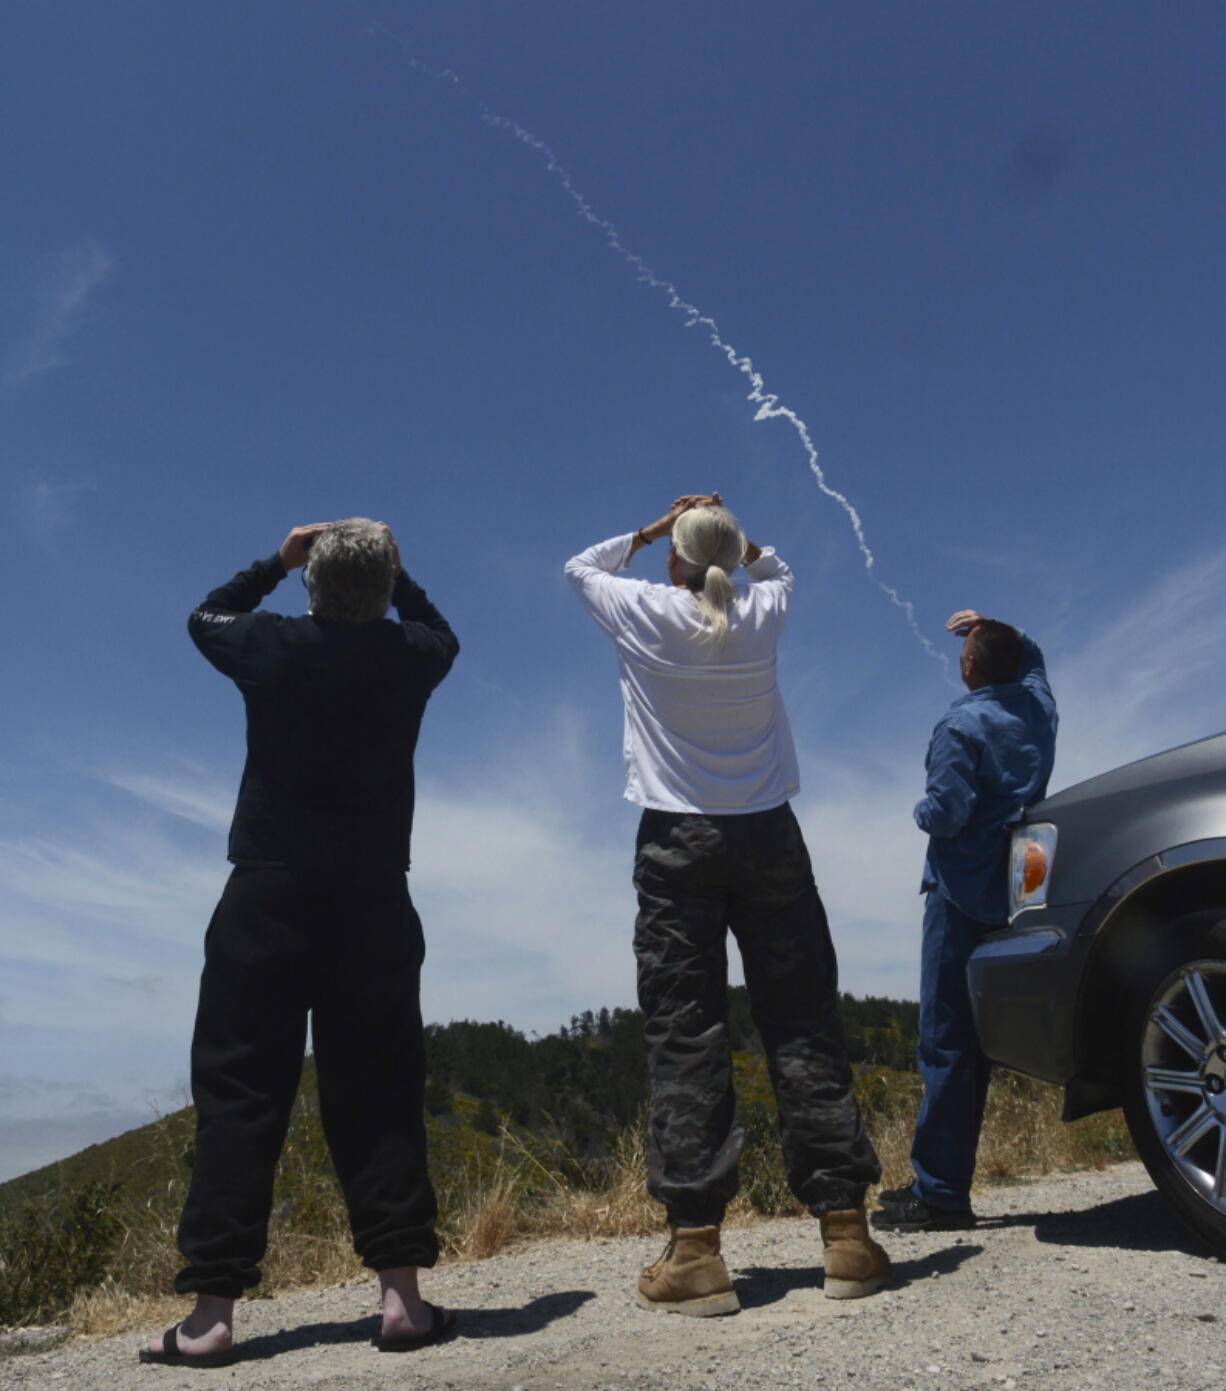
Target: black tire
1175,1074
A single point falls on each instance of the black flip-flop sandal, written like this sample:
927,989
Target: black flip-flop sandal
442,1327
170,1356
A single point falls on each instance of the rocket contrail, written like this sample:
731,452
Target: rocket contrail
767,403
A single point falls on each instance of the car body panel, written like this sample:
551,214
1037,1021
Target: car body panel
1117,835
1024,1010
1113,822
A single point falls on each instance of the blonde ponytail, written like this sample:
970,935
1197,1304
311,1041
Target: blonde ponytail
713,600
709,544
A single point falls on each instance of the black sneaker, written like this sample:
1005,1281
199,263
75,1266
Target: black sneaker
903,1210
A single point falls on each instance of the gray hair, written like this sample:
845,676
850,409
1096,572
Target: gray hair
709,544
349,572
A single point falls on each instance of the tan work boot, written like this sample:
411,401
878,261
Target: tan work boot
855,1264
690,1277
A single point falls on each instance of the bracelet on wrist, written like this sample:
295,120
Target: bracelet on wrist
643,539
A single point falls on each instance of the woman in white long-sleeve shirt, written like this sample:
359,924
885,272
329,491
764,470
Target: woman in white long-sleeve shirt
709,756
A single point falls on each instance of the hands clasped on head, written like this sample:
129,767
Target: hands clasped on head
320,841
316,919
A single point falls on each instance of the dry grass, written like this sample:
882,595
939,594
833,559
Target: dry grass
490,1216
306,1259
533,1190
537,1192
530,1198
147,1260
618,1206
892,1131
108,1309
1023,1135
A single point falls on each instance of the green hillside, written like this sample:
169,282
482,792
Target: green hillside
539,1115
579,1087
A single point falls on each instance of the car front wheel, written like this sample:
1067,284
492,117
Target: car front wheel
1175,1098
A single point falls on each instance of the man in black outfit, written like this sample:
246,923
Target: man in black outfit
316,918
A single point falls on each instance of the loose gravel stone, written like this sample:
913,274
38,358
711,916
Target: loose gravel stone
1079,1283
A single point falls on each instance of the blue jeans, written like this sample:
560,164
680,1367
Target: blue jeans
953,1066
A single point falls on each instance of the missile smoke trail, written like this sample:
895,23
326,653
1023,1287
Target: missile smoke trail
767,403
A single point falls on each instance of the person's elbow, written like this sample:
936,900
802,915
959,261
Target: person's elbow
447,649
201,624
580,575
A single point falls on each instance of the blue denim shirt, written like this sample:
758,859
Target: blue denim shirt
991,755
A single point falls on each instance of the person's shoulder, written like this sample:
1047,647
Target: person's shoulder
253,626
650,594
998,714
969,718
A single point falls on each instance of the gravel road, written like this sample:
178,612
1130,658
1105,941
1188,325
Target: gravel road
1067,1284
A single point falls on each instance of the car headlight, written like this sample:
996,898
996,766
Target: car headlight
1031,857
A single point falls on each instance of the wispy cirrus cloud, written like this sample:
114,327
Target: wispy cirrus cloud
522,867
536,887
1145,678
19,1095
1148,678
528,918
142,877
58,295
186,791
102,921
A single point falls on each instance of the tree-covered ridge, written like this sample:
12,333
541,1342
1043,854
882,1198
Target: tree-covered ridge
527,1137
585,1083
580,1086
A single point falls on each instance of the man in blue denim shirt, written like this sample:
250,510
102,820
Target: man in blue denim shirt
991,756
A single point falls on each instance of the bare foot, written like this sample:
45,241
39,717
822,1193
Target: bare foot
207,1329
405,1312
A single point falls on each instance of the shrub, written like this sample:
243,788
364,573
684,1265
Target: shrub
51,1249
100,1248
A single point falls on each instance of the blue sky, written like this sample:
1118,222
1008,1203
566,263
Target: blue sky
259,268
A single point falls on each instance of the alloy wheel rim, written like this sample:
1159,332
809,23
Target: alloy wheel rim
1183,1061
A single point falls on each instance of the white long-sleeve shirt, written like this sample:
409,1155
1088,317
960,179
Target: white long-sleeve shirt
705,728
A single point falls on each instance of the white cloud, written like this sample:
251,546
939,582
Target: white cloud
22,1097
527,917
101,946
1146,679
186,791
522,870
1150,678
60,291
867,856
125,873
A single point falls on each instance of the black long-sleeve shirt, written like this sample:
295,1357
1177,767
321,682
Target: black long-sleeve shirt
333,714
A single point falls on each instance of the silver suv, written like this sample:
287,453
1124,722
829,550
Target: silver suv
1111,976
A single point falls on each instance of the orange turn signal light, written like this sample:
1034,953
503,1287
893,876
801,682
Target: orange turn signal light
1034,867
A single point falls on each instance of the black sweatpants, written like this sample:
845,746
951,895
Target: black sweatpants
697,876
347,950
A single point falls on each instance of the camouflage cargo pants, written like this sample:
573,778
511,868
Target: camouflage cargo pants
696,877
